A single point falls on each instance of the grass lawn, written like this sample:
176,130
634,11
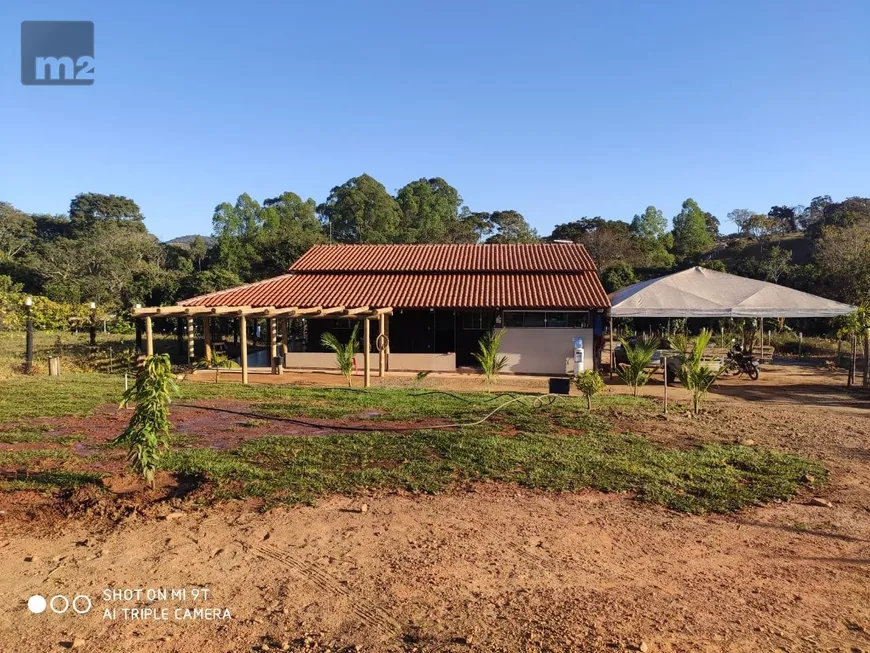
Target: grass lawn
557,447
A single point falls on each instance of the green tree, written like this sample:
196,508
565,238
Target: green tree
16,232
289,228
784,218
198,251
361,211
650,225
471,226
776,264
429,210
235,226
511,228
86,210
652,240
691,236
618,276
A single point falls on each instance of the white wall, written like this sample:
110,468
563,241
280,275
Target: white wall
543,351
413,362
423,362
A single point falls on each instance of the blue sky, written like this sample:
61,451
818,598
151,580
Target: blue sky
555,109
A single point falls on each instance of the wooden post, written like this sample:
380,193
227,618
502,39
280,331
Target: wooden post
382,354
665,361
285,335
149,337
190,341
612,357
243,334
206,336
273,337
367,380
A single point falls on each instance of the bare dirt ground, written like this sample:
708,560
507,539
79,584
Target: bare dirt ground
491,567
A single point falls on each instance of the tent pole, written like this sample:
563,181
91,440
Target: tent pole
761,328
612,357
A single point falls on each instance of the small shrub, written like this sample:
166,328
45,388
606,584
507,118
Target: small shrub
147,435
589,382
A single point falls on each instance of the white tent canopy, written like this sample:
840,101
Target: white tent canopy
699,292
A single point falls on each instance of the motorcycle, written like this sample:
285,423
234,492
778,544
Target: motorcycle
737,362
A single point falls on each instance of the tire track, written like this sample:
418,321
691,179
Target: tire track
362,608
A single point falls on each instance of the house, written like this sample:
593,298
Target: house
434,302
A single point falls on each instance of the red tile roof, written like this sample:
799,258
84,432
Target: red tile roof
428,276
555,257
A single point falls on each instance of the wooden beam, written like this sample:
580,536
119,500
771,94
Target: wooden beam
223,310
358,310
197,310
367,378
383,311
332,310
243,333
149,337
171,310
284,311
144,312
309,311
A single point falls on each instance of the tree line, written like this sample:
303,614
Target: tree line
102,251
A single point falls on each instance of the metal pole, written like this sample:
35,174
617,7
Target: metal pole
761,327
665,361
612,358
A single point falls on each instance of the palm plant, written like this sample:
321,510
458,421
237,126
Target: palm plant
697,377
218,362
487,355
635,373
344,352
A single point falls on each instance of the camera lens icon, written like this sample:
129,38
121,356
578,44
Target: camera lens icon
37,604
59,604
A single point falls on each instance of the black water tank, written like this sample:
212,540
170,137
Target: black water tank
560,386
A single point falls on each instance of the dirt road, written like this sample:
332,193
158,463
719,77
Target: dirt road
489,568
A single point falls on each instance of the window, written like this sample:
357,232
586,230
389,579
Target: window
547,319
477,320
